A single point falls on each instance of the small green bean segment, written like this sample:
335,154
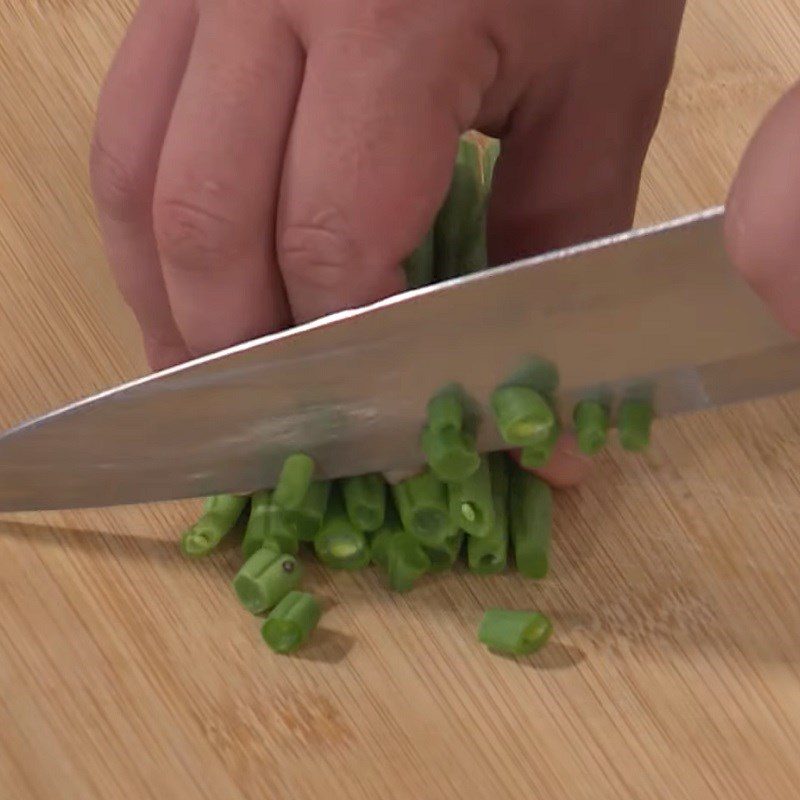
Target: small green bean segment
365,501
536,456
418,267
591,426
444,554
489,554
450,453
530,514
293,482
471,502
339,543
290,623
423,507
265,578
514,632
633,424
406,561
220,514
523,416
303,523
446,412
258,523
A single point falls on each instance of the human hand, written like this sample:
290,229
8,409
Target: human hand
763,210
257,163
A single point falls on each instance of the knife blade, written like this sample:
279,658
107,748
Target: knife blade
660,307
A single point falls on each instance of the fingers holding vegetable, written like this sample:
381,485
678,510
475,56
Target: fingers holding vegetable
372,147
763,208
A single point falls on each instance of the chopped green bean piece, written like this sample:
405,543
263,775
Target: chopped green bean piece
450,453
365,501
293,482
265,578
422,504
523,415
633,424
406,561
449,448
490,155
444,554
282,531
418,267
514,632
536,456
290,623
379,548
339,543
220,514
530,516
379,544
303,523
459,223
471,503
489,554
591,426
258,523
445,412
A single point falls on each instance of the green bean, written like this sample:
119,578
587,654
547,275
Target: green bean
302,523
379,543
489,554
449,448
418,267
633,424
530,514
514,632
379,548
450,453
220,514
523,415
591,426
536,456
445,411
406,561
290,623
471,503
293,482
443,555
265,578
539,374
258,523
490,155
422,504
459,216
398,553
282,532
339,543
365,500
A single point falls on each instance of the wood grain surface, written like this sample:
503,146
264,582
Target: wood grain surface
126,672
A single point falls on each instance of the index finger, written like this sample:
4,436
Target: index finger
368,163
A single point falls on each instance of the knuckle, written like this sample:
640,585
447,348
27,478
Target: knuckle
190,234
120,188
319,254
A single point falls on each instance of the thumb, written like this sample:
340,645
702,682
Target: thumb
761,230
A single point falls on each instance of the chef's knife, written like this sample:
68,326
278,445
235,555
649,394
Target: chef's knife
660,308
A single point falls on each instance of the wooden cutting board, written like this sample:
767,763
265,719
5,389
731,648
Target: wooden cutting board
126,672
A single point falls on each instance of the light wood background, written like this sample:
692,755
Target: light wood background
126,672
